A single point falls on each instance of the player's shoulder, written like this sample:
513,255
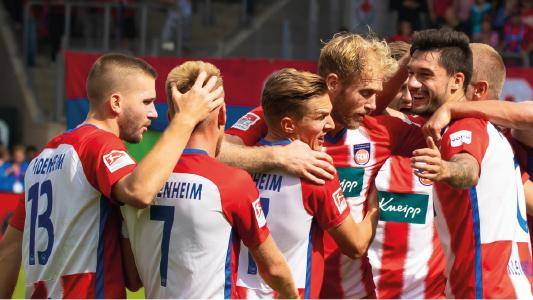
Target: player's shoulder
465,127
86,136
223,175
321,189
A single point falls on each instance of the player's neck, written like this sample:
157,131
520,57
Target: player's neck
106,124
274,135
203,141
337,129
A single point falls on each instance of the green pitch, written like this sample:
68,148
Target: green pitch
19,289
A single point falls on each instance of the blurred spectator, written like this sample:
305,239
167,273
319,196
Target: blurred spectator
31,152
462,12
477,13
514,43
451,21
411,10
13,177
404,34
438,11
4,158
55,15
178,9
488,35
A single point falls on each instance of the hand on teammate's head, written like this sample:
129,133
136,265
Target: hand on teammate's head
200,100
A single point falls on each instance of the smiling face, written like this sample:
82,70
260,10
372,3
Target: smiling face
138,108
428,82
315,123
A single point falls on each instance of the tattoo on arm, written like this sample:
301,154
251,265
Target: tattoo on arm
463,170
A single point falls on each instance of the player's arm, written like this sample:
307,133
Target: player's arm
518,116
393,84
460,172
296,158
131,275
139,187
528,190
525,136
354,238
274,269
10,259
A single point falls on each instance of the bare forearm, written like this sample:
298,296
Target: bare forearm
461,172
281,282
151,173
10,258
251,159
502,113
392,86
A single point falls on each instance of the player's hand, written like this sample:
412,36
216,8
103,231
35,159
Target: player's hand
439,120
300,160
428,163
200,100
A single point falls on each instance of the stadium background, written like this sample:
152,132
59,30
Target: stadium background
47,48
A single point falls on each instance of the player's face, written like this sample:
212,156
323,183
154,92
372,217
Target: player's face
428,82
355,100
316,122
402,101
139,108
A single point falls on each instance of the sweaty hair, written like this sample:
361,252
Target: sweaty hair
110,70
454,49
352,56
185,75
488,66
286,92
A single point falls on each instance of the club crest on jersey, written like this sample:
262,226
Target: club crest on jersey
361,153
246,121
460,137
425,181
117,159
338,199
258,212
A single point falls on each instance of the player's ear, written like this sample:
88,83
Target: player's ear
115,103
481,88
458,80
288,126
333,82
222,119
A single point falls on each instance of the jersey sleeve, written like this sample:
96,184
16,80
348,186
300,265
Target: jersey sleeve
403,135
19,216
242,207
250,128
467,135
105,161
326,203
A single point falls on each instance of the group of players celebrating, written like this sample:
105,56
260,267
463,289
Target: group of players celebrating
321,192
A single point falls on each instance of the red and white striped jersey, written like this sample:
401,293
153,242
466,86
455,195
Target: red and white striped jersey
297,212
71,237
406,255
357,155
483,229
186,244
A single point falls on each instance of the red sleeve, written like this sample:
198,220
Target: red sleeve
404,136
242,208
105,161
467,135
250,128
19,216
326,203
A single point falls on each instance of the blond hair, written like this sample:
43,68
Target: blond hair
185,75
352,56
108,74
286,92
488,66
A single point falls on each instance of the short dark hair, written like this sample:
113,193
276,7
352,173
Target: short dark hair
109,70
453,46
286,92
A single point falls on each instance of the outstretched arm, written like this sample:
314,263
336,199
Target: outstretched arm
461,171
296,158
10,258
518,116
274,269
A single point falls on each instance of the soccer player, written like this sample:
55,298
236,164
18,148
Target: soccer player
70,220
186,243
297,106
406,255
478,191
354,69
